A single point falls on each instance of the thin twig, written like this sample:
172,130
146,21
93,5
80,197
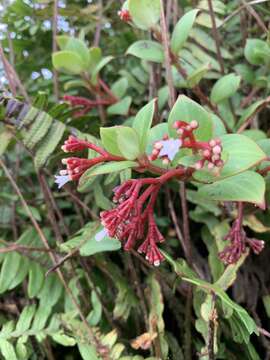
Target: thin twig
99,23
216,35
54,47
12,76
168,66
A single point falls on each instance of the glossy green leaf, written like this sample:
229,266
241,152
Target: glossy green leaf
145,13
107,168
93,246
121,107
195,77
143,121
95,56
5,138
36,279
247,186
109,140
182,29
257,51
68,62
96,70
147,50
11,261
88,352
128,142
77,46
225,87
187,110
119,88
7,350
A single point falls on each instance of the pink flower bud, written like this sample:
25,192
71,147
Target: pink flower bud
194,124
217,149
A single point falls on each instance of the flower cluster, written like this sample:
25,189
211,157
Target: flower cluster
239,242
124,15
132,219
76,166
132,214
210,152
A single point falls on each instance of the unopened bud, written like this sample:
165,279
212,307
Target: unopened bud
63,172
158,145
194,124
206,153
211,166
165,161
212,143
180,131
217,149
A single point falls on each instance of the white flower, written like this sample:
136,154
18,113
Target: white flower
101,234
170,148
61,180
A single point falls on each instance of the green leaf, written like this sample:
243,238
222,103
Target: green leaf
121,107
5,138
100,199
25,318
247,187
147,50
119,88
113,166
92,246
182,29
145,13
95,56
195,77
38,129
103,62
109,140
36,279
63,339
11,261
128,142
88,352
68,61
51,291
225,87
229,275
187,110
95,315
257,51
77,46
143,121
49,143
7,350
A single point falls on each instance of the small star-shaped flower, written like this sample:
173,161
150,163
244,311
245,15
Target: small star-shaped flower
101,234
170,148
61,180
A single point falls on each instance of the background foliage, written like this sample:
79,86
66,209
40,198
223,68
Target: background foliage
65,295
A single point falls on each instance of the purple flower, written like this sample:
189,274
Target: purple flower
61,180
101,234
170,148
